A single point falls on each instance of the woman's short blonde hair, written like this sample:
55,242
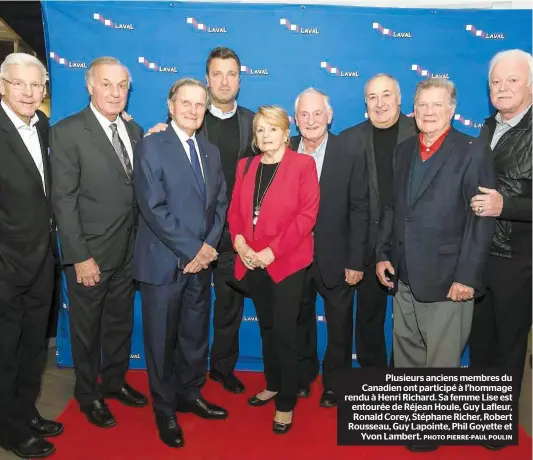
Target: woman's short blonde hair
273,115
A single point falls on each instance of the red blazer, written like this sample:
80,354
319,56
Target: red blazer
288,214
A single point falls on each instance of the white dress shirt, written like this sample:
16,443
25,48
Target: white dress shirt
216,112
318,154
30,137
121,128
183,139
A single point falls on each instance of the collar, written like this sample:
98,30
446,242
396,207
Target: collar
184,137
216,112
321,148
513,121
16,120
426,151
101,119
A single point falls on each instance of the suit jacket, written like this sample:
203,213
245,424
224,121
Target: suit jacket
91,194
360,140
342,224
442,240
25,213
288,214
175,219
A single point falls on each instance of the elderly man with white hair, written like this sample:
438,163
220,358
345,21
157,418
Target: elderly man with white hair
340,236
27,256
502,319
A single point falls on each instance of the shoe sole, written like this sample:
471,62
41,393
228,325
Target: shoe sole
187,411
219,380
34,456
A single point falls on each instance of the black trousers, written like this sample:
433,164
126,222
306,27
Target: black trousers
227,316
370,320
24,314
101,323
278,307
502,318
176,338
338,306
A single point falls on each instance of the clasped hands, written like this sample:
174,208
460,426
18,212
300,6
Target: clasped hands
201,261
250,258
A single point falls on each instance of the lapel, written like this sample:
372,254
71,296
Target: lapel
328,175
43,141
100,140
206,165
406,128
17,144
243,133
442,155
132,133
368,139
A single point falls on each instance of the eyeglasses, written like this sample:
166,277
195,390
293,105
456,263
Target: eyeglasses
19,85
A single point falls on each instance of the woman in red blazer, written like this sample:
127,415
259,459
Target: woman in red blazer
271,217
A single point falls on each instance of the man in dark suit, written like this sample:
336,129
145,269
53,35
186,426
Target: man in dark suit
228,126
93,199
181,191
430,243
27,246
340,236
376,139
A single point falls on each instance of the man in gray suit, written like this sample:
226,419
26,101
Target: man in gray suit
93,200
376,139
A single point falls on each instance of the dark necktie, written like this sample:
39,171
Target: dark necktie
197,169
120,148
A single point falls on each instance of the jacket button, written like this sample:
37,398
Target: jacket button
408,219
400,243
128,182
376,222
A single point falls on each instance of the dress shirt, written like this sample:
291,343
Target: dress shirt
30,137
121,128
183,139
318,154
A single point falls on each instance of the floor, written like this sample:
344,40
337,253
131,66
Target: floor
58,386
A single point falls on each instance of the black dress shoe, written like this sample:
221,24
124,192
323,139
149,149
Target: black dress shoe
98,414
169,430
304,392
128,396
328,399
281,428
203,409
229,382
45,428
256,402
422,447
493,446
34,448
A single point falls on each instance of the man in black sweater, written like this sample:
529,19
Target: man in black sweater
229,127
376,139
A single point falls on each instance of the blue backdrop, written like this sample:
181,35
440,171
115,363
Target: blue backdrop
284,49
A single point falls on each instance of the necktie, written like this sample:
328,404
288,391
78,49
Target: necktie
197,169
122,153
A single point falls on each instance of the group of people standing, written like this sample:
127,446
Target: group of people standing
401,205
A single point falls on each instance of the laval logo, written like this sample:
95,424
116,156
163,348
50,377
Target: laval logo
467,122
110,23
426,73
480,33
297,29
336,71
202,27
65,62
249,71
155,67
390,33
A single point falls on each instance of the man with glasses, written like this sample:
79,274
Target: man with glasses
93,200
27,256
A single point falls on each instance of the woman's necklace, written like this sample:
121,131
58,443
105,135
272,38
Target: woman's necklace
259,200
